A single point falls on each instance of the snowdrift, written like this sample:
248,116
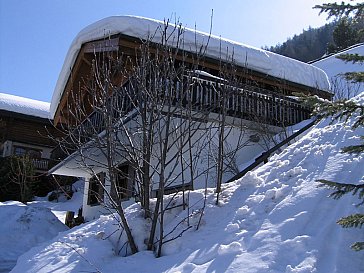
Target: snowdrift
275,219
23,227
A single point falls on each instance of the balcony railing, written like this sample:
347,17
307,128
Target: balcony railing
41,164
245,102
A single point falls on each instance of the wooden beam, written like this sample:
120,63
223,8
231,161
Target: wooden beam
69,85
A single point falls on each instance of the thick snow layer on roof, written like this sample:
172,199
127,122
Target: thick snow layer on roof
256,59
24,105
334,67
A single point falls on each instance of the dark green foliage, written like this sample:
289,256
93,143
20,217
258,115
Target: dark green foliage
344,110
345,34
311,44
358,246
339,110
341,189
354,220
354,149
354,76
353,58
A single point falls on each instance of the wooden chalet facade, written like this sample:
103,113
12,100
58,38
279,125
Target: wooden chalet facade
265,93
255,83
22,134
24,130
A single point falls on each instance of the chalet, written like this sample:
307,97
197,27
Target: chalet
23,131
336,68
262,95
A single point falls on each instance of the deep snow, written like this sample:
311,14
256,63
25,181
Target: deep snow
60,207
275,219
23,227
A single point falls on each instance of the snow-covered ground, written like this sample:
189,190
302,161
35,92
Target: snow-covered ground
275,219
23,227
63,205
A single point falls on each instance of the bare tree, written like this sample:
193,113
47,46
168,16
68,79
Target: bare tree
22,174
154,128
344,89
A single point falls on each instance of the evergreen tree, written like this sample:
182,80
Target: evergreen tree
344,35
311,44
345,110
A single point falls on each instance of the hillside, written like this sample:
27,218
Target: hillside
275,219
310,45
314,43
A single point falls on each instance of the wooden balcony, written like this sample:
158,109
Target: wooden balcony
244,102
248,102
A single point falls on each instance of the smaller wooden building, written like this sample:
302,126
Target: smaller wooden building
24,130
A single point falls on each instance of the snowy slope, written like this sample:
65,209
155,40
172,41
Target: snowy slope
275,219
334,67
24,106
216,47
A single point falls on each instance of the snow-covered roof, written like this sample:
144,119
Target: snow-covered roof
253,58
334,67
24,106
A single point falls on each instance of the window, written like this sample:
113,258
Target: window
34,153
96,189
121,191
22,151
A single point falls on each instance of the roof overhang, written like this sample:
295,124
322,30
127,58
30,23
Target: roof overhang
255,59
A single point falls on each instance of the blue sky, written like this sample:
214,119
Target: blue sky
36,34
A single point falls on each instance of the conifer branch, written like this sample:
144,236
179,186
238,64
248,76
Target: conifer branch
354,149
342,9
354,77
340,110
358,246
354,58
342,188
352,221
